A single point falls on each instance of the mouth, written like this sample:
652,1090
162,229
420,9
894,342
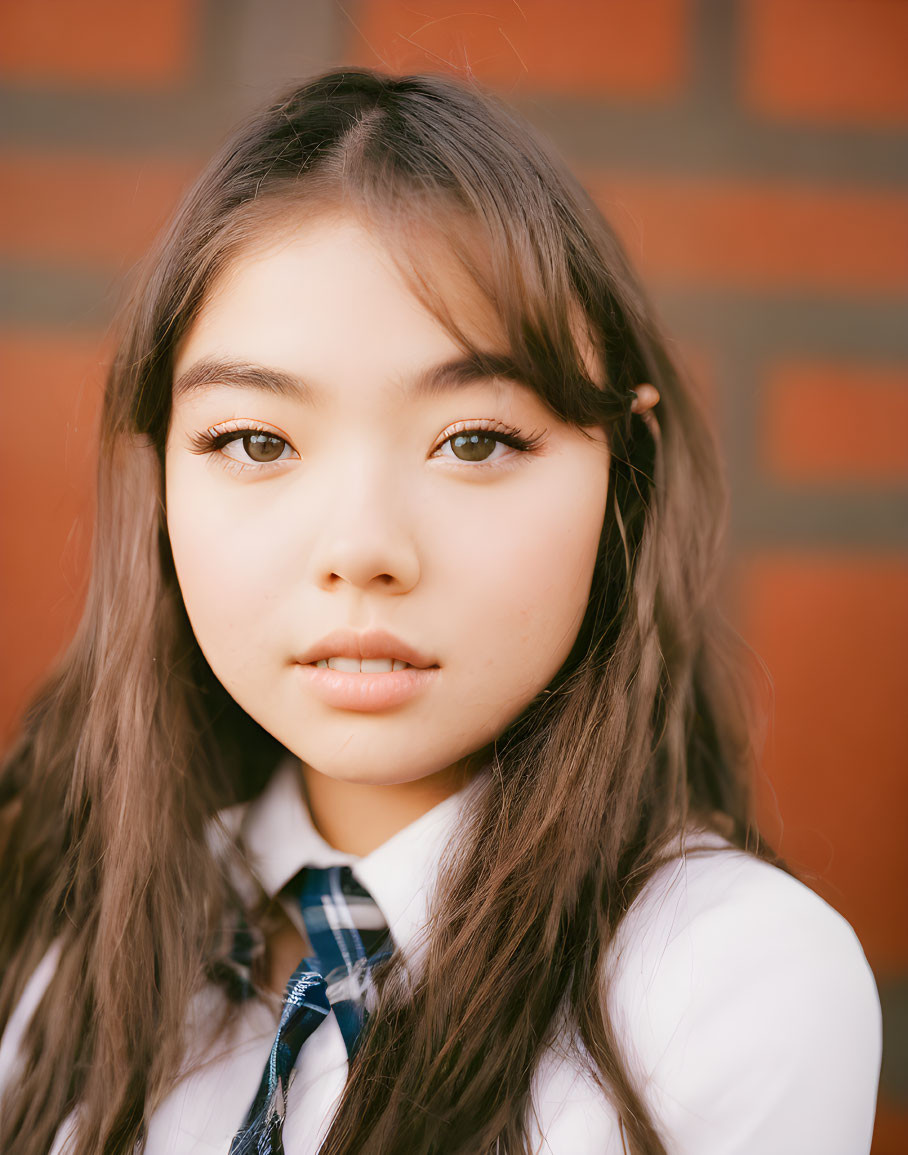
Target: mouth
373,651
366,685
366,665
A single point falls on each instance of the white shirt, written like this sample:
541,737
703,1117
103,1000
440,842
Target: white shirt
744,1001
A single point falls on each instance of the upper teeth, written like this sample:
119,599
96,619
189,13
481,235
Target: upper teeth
364,665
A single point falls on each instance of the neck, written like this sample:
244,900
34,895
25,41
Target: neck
356,817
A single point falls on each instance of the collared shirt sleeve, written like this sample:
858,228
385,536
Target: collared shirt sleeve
752,1014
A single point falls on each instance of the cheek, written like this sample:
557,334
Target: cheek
223,567
523,579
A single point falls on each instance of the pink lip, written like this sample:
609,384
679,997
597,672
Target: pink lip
369,644
367,693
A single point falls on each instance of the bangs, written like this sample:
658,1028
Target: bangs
519,290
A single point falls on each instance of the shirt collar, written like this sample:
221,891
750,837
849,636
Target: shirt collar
400,874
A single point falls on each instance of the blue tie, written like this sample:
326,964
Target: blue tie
348,937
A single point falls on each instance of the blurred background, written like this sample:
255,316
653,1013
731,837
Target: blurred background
754,156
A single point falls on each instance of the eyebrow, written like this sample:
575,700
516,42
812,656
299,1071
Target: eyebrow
430,382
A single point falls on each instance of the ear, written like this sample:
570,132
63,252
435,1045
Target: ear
646,397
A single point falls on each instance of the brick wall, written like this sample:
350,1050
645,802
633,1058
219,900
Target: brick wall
752,154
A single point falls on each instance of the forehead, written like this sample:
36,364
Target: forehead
330,286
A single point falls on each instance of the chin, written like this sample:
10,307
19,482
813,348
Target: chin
390,768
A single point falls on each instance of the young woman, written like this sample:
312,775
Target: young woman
401,658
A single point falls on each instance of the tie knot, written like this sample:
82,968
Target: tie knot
345,925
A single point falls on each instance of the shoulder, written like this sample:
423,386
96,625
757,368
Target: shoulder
722,902
748,1008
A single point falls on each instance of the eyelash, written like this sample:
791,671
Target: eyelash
217,437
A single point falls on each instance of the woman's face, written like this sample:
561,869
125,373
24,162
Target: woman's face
323,474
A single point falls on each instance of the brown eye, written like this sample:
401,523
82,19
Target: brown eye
475,446
246,446
253,446
478,444
264,446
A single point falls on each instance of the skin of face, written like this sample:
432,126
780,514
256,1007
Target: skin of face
370,519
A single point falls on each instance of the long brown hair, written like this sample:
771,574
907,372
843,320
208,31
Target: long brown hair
133,746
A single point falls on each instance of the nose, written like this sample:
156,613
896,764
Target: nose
368,537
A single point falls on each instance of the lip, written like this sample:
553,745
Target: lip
347,643
366,693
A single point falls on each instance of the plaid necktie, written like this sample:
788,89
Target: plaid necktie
348,936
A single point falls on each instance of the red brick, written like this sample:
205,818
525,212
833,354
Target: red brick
833,631
637,49
97,43
836,423
759,234
68,209
52,391
890,1132
828,60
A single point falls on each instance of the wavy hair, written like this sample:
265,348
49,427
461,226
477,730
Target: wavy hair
132,746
